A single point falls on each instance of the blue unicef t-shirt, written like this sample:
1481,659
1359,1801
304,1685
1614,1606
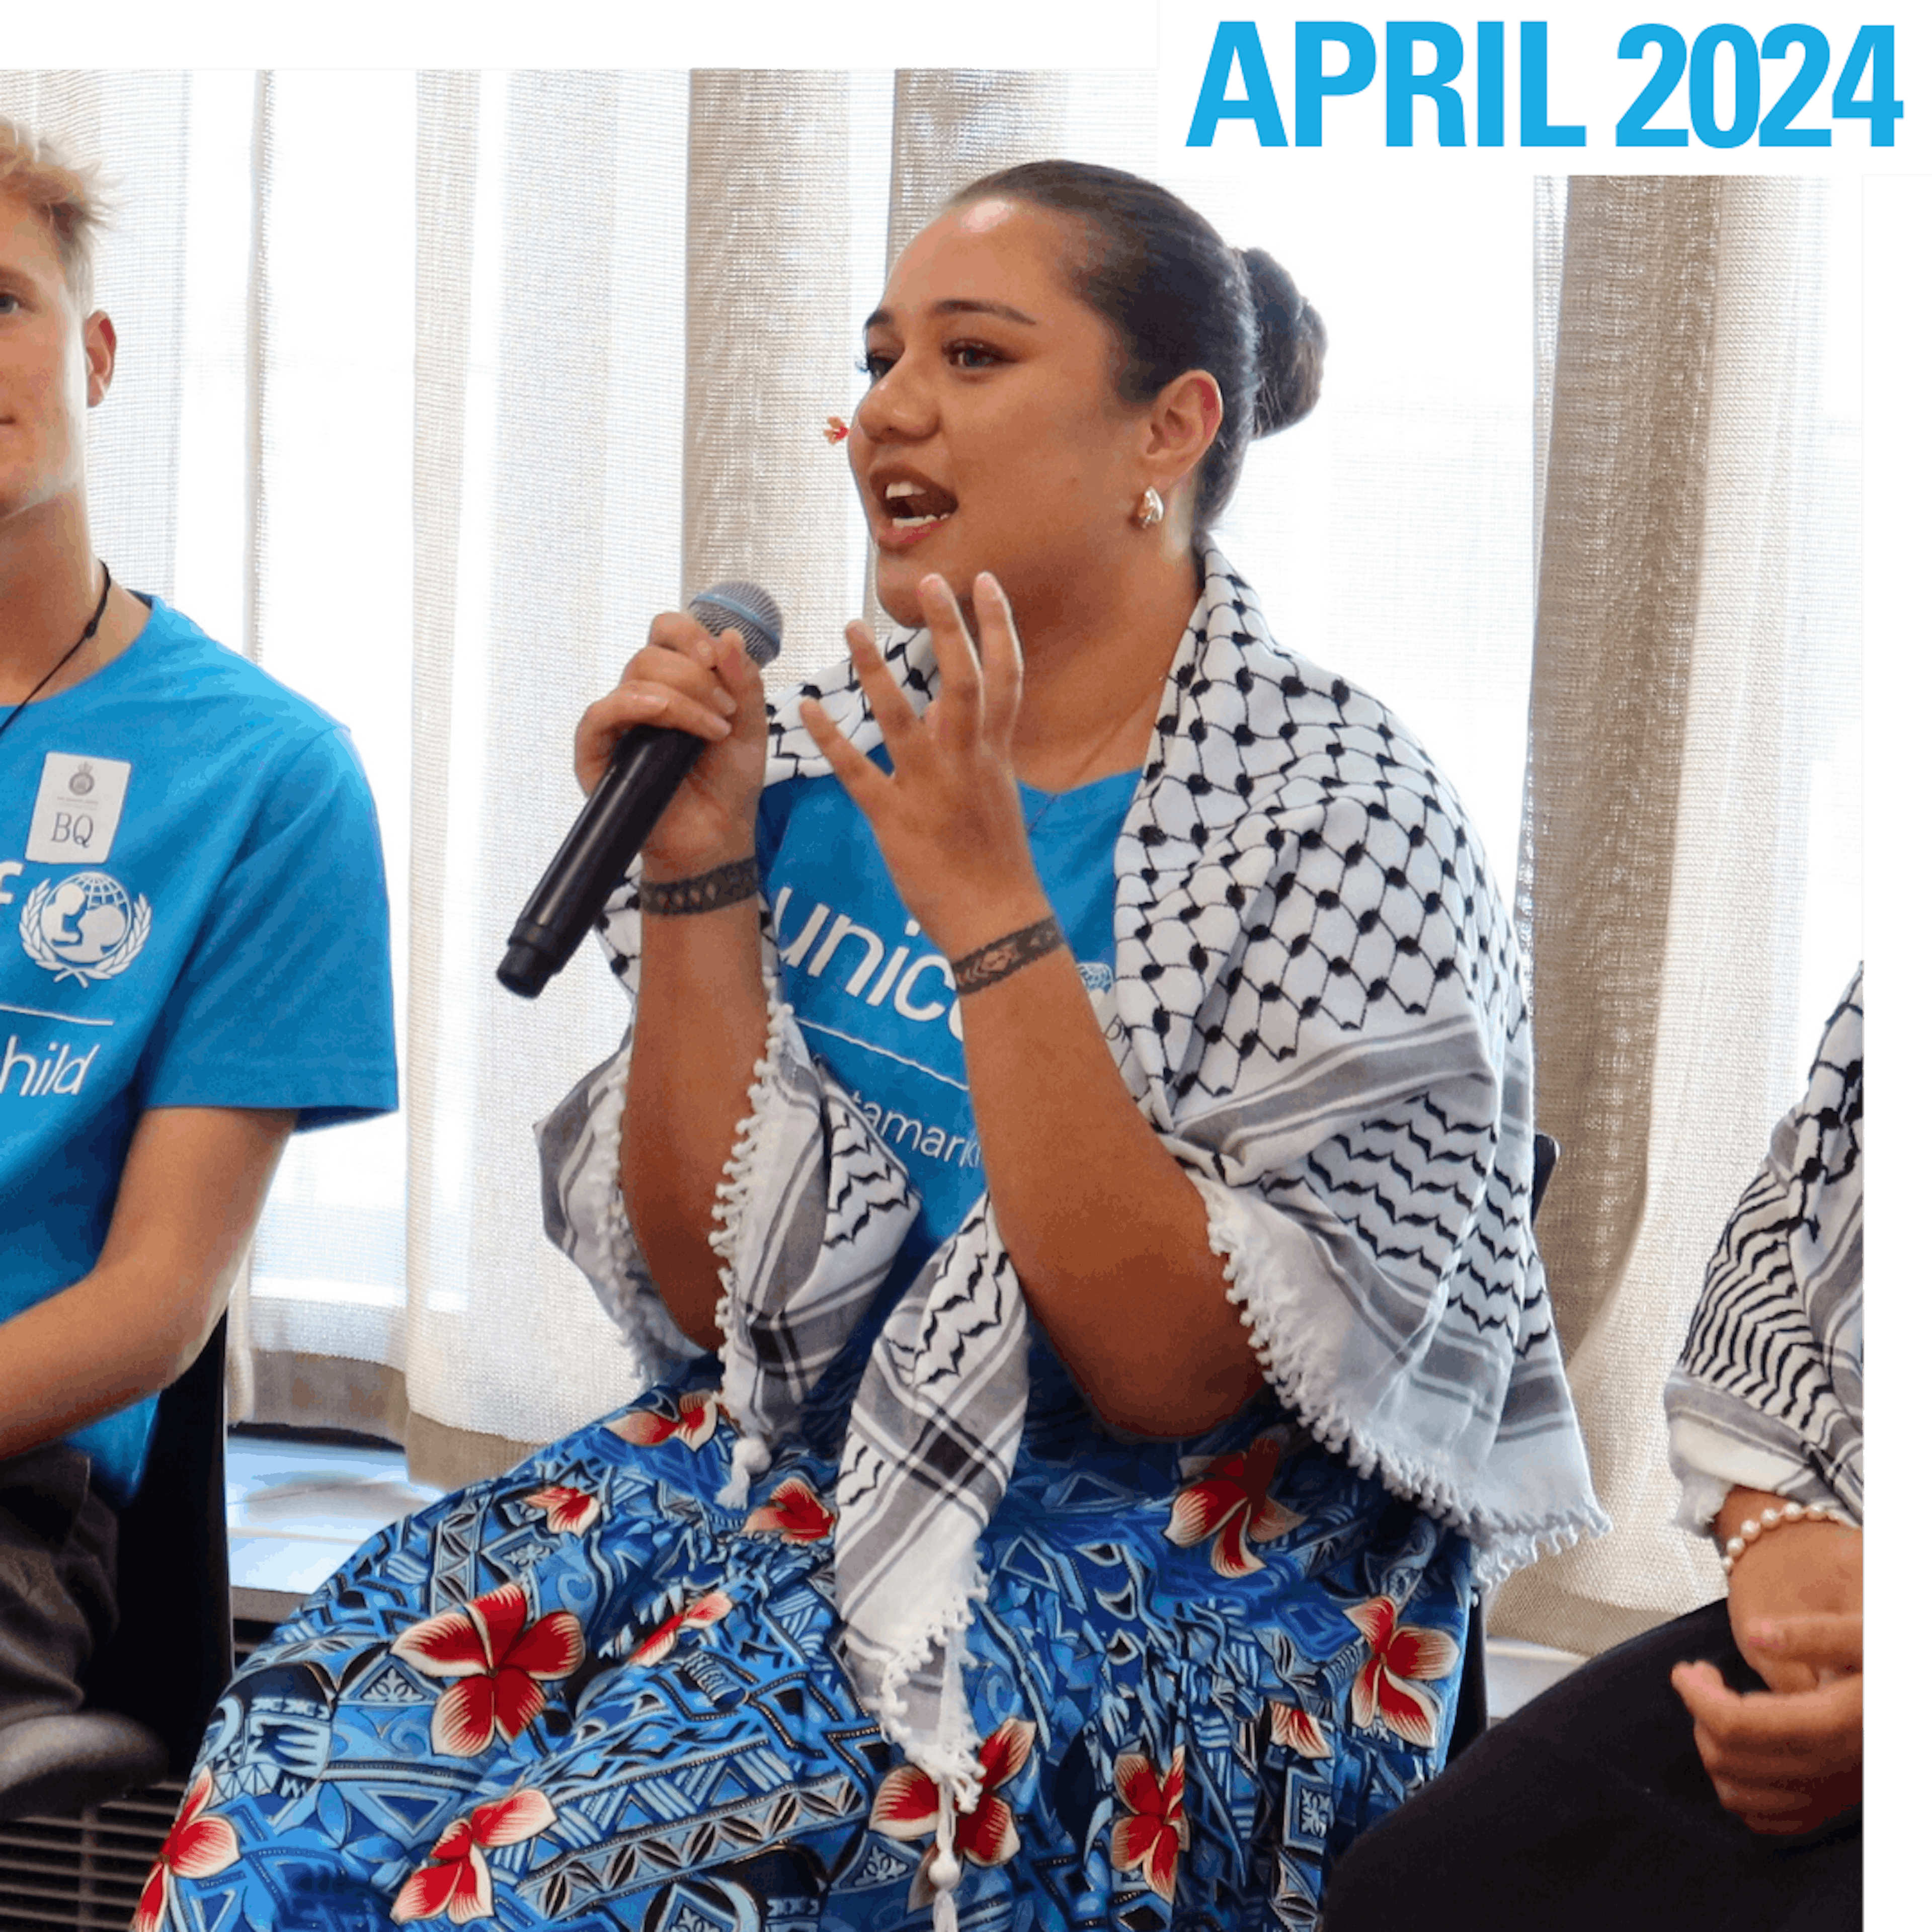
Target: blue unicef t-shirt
192,914
875,1000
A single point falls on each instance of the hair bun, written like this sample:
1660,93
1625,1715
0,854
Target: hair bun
1291,343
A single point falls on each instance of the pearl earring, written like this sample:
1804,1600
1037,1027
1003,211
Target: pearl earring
1150,510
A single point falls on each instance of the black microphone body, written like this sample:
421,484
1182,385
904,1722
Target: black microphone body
647,766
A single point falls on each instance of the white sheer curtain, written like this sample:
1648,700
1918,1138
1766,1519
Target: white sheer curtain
1691,878
434,387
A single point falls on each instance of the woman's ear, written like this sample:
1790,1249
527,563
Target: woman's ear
1182,421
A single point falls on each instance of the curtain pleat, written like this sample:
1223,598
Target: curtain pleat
1616,620
1674,718
242,1388
1550,204
545,511
951,125
769,349
501,1349
448,111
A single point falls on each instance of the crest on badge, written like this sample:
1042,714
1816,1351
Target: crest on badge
84,926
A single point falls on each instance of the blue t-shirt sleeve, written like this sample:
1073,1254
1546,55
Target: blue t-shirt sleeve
285,1000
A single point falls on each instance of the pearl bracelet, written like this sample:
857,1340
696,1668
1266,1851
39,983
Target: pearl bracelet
1775,1518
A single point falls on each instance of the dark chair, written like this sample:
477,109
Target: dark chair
151,1689
1472,1701
1543,1166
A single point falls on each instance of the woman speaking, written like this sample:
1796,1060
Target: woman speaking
1086,1046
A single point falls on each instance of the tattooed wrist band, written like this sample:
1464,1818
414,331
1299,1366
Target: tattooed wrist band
995,961
703,892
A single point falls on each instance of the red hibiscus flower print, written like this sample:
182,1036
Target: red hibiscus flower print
499,1658
708,1609
1398,1653
456,1880
566,1511
794,1511
1296,1729
693,1425
1229,1500
907,1807
1154,1834
195,1847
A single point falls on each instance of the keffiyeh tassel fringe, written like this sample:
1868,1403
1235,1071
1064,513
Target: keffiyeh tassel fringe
949,1756
613,1254
1498,1547
584,1213
946,1869
750,1456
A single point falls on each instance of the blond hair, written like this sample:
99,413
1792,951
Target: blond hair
67,195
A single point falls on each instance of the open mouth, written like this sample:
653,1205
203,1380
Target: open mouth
914,506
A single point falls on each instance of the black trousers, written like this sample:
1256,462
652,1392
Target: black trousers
1589,1811
57,1540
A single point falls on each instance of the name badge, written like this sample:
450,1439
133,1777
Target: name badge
78,810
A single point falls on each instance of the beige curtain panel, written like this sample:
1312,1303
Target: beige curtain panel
434,387
1696,680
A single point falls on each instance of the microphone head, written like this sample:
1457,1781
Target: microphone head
750,609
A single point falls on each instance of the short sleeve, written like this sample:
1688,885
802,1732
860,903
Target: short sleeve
1769,1392
286,999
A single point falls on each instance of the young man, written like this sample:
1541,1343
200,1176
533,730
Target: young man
193,961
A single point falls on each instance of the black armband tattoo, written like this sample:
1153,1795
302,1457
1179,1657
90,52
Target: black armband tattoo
996,960
703,893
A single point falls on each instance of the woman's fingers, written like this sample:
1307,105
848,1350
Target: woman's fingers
863,780
1828,1642
1780,1763
946,815
685,679
955,716
979,687
899,722
1001,667
680,632
1769,1812
708,714
633,704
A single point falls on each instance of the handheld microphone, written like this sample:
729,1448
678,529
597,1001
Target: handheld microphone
647,766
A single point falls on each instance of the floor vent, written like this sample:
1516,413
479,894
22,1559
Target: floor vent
83,1872
76,1874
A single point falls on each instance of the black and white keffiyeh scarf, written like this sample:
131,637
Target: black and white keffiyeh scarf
1769,1392
1321,1018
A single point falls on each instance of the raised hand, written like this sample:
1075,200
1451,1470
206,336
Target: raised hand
947,817
686,679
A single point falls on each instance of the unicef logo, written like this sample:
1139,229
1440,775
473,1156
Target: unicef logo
84,928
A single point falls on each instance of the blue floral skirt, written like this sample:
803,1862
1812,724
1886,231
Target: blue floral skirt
585,1695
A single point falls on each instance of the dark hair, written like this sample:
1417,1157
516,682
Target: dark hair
1178,297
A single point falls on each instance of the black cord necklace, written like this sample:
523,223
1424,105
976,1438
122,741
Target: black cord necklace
93,625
